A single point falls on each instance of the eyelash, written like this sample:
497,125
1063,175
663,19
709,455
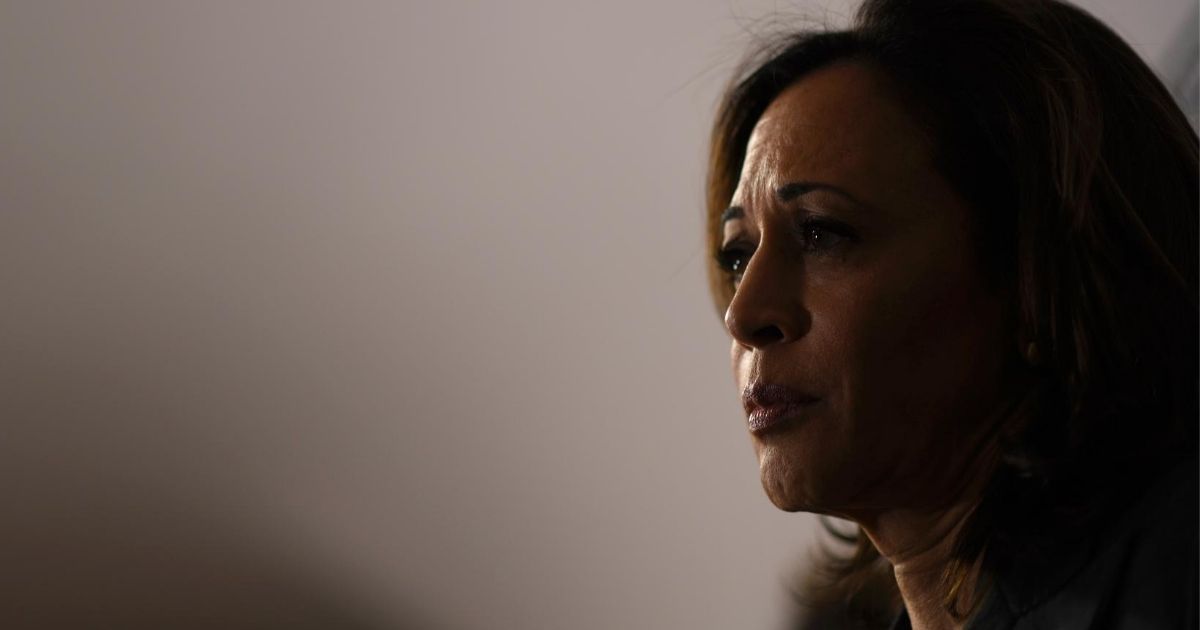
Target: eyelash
733,257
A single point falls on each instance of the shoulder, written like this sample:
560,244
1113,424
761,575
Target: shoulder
1139,572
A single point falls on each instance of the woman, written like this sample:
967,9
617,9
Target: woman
955,247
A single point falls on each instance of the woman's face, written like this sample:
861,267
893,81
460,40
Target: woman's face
868,348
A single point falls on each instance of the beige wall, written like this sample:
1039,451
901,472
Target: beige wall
375,314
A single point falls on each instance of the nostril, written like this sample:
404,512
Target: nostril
756,326
766,335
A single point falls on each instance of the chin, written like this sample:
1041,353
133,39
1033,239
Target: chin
784,501
784,482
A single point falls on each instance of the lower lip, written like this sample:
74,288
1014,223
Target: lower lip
766,418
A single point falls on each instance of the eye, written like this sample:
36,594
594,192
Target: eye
732,258
821,235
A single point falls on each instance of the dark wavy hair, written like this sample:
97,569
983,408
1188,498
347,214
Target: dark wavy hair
1082,175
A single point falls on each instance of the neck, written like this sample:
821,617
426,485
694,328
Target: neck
919,544
919,548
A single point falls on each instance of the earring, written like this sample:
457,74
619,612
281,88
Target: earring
1032,356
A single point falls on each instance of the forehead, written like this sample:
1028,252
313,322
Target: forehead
842,124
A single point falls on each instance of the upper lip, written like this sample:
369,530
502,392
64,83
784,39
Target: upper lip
766,395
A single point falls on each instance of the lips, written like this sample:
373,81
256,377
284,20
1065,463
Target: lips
769,405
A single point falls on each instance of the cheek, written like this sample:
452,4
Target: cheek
924,357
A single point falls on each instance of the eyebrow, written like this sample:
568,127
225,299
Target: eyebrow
731,213
791,192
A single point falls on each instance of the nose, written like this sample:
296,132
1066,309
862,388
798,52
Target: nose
767,307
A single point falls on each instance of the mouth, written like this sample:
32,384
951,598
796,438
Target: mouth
771,405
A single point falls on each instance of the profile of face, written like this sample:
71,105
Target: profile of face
869,349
